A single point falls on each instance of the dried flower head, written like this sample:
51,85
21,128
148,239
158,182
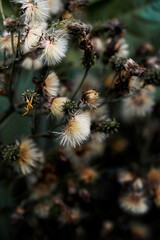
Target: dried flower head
134,203
57,106
42,209
133,68
139,104
6,42
35,11
125,176
77,129
45,183
89,96
32,38
50,86
32,63
30,97
88,175
29,155
54,49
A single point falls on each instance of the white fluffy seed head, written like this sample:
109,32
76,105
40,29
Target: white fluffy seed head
29,156
51,86
30,63
77,130
134,203
37,11
54,50
32,39
57,106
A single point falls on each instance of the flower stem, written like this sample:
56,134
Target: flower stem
81,83
1,9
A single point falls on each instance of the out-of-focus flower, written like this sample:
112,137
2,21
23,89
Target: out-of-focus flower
32,63
57,106
29,156
50,86
84,153
6,42
122,48
45,183
125,176
139,231
77,130
55,6
138,105
134,203
88,175
42,209
97,44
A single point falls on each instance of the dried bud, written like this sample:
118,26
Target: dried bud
133,68
89,96
115,26
108,126
88,59
80,29
69,107
10,153
152,76
86,45
117,63
30,94
145,49
10,22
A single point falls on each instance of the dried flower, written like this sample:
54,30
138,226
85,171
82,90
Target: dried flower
32,38
30,97
89,96
57,106
42,209
29,155
134,203
138,105
133,68
88,175
6,42
30,63
77,129
54,49
50,86
35,11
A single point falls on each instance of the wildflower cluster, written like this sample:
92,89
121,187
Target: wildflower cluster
86,117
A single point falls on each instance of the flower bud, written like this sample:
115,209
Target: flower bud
89,96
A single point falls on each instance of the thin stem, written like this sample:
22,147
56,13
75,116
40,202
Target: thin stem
12,43
1,9
81,83
50,132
